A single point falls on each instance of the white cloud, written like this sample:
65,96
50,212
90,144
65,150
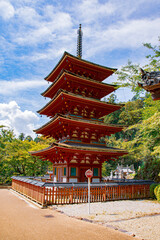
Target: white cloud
6,10
105,12
5,45
53,28
47,55
28,16
130,34
56,19
91,11
38,29
21,122
40,35
12,87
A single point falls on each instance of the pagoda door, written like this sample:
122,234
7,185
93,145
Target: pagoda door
82,175
59,177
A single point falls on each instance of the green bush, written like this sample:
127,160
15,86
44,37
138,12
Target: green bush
151,189
156,191
158,194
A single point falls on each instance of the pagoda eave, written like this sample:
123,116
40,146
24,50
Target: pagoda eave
67,79
66,148
151,83
64,98
68,59
60,121
153,89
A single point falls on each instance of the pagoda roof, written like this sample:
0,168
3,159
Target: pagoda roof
151,83
74,148
153,89
65,76
51,128
67,58
52,107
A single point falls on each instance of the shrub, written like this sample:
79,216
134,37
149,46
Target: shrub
156,190
151,190
158,194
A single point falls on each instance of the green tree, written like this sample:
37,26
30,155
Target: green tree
141,138
132,113
21,136
150,107
6,136
112,98
29,138
144,149
154,57
15,158
129,75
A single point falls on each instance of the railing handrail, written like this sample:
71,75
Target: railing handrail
68,185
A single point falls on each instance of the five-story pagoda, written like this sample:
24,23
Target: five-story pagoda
75,110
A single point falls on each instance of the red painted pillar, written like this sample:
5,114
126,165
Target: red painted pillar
67,172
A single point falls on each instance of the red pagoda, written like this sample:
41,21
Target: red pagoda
76,121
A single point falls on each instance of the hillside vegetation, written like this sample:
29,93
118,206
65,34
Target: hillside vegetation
141,116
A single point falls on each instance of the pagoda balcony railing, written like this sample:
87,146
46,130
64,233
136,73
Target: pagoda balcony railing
80,116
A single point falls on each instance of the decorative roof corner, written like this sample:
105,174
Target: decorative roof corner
151,83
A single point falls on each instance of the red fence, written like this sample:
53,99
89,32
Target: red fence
33,192
56,195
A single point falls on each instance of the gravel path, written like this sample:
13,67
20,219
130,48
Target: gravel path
141,217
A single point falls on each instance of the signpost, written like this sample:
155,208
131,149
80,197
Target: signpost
89,174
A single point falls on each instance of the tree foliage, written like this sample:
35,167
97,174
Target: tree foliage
129,75
154,57
15,158
141,116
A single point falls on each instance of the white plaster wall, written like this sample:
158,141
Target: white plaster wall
64,179
73,180
95,180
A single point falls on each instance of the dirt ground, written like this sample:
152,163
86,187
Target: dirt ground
20,220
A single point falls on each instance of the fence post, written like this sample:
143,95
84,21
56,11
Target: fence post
71,196
104,194
43,198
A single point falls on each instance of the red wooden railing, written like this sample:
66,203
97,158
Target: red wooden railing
33,192
55,195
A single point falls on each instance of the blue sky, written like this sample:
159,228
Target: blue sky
35,33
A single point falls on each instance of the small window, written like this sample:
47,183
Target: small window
95,172
73,171
55,171
64,171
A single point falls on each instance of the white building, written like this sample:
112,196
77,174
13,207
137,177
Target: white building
122,172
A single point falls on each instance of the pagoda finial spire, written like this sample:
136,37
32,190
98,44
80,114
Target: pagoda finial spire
79,42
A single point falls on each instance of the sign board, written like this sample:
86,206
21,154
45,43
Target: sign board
89,173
